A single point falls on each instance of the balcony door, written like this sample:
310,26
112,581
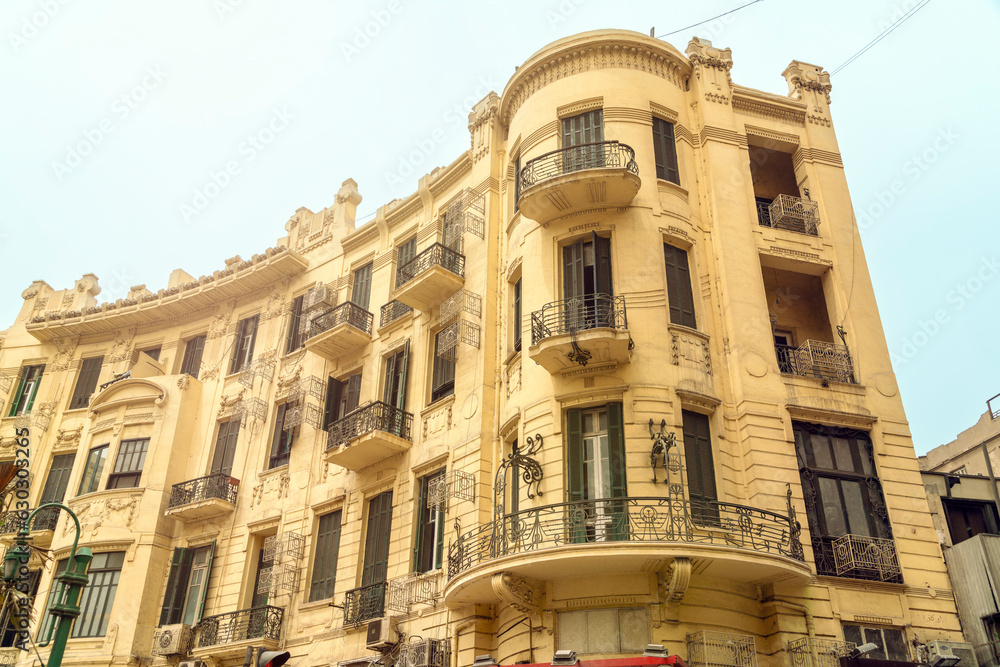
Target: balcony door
587,128
54,491
394,391
596,461
376,565
225,447
587,285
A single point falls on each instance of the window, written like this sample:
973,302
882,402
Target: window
842,493
97,599
153,353
8,616
246,336
992,625
297,332
890,641
184,601
443,378
516,316
92,471
405,254
27,389
968,518
587,284
376,564
128,464
342,398
281,443
362,291
429,548
394,391
591,631
679,296
193,351
587,128
596,471
86,382
324,574
54,491
665,150
225,447
700,467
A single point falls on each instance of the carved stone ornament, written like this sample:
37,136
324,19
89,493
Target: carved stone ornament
218,327
226,403
68,438
119,512
121,349
277,486
803,76
275,306
64,355
703,55
184,382
521,593
674,580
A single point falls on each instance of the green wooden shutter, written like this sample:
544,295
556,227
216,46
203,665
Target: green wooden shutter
679,295
294,325
665,150
208,578
177,583
573,270
19,394
616,459
334,389
574,470
253,325
700,466
34,389
602,265
225,447
422,521
376,563
403,372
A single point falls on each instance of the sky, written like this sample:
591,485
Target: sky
143,136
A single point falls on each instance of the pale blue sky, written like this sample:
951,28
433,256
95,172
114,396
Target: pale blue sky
162,94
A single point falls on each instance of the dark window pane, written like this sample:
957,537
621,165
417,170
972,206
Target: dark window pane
193,351
86,382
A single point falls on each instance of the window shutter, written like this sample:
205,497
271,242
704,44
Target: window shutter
573,270
423,520
679,296
403,371
252,325
334,389
616,459
376,564
86,382
19,394
602,259
225,447
294,325
34,389
698,451
208,579
279,427
177,583
574,444
353,392
665,150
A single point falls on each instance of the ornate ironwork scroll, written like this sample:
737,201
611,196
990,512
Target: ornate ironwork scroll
662,442
579,314
284,548
412,589
435,255
815,652
217,485
721,649
364,603
425,653
453,484
255,623
597,155
459,330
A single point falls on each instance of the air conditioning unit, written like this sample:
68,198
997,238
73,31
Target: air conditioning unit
319,297
944,652
171,640
383,632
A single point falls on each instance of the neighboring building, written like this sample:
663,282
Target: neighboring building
443,422
966,454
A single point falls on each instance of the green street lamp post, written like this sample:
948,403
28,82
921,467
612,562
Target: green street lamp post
65,605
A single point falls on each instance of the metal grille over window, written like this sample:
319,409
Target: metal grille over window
285,551
253,408
813,652
425,653
410,589
792,213
449,337
866,557
462,301
465,214
297,394
263,366
455,484
721,649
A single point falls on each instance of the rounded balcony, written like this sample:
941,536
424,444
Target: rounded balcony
597,175
591,538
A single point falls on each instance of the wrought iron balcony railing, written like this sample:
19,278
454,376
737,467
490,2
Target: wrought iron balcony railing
362,604
586,312
816,652
392,311
254,623
816,359
217,485
436,255
862,557
346,313
788,212
659,520
597,155
376,416
11,522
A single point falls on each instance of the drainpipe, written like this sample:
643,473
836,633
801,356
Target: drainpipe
810,622
456,632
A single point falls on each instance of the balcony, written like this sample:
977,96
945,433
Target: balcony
365,603
861,557
42,526
391,312
788,212
368,435
430,277
341,330
576,332
580,178
228,635
816,359
576,539
206,497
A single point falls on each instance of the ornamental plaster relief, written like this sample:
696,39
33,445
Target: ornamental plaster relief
115,512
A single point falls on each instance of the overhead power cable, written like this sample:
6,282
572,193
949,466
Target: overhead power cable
885,33
694,25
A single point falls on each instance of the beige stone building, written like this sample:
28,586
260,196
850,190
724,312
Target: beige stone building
615,376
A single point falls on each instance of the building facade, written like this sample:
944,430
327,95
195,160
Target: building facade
615,376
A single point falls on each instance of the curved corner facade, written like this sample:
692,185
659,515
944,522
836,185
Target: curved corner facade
614,377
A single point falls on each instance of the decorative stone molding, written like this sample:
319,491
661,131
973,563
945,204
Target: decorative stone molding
696,399
438,419
710,65
120,512
803,76
481,123
218,326
68,438
184,382
122,347
270,485
64,354
275,306
519,592
690,348
513,376
577,108
674,580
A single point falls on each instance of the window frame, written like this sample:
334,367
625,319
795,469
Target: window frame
428,546
442,373
282,438
680,293
326,554
297,334
20,405
378,539
194,351
94,483
86,382
361,285
517,306
246,338
106,592
177,597
134,473
665,151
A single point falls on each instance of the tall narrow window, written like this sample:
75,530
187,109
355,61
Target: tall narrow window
93,470
296,327
54,491
27,389
429,548
86,382
342,398
405,254
187,584
128,464
516,315
377,535
362,291
281,442
225,447
596,472
679,297
579,133
246,336
443,378
396,366
665,150
587,284
324,574
700,467
193,351
98,596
